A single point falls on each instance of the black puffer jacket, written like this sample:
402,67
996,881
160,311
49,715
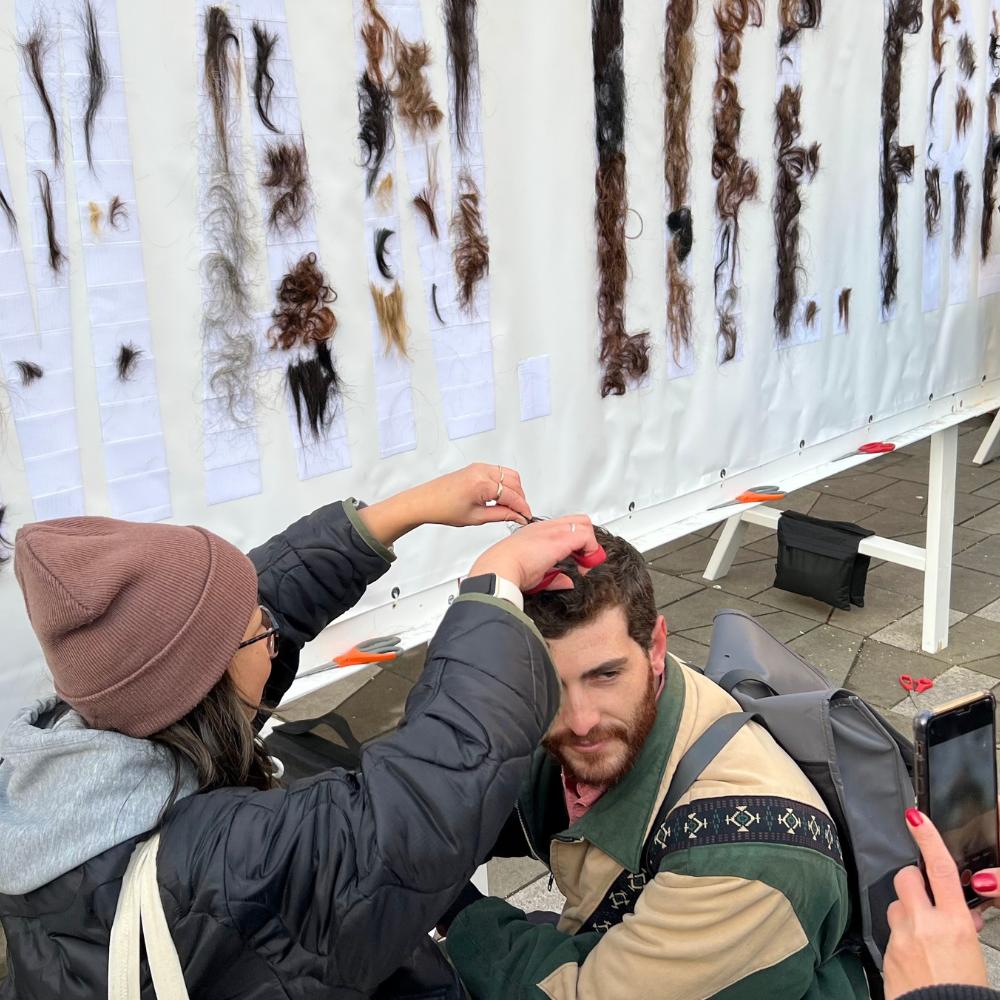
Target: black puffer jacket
324,888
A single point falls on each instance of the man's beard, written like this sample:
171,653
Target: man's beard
609,767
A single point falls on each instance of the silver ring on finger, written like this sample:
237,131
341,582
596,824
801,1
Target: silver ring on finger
572,528
500,467
499,491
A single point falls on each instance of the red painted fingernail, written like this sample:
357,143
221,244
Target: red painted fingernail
984,882
913,817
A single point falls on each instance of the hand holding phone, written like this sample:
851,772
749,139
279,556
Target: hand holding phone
956,779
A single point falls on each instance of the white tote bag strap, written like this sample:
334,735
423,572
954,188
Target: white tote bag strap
140,913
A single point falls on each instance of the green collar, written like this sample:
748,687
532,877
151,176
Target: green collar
616,823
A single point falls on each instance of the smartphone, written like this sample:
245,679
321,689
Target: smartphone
956,779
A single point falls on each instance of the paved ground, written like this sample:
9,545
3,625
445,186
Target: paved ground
862,649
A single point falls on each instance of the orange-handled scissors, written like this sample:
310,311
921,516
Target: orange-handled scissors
756,494
379,650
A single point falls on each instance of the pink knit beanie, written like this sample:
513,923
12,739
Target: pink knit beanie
138,622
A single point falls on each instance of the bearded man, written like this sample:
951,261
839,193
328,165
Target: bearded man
749,895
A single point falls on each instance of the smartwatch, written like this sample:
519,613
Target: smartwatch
493,586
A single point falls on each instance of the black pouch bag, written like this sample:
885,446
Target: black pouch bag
304,750
819,559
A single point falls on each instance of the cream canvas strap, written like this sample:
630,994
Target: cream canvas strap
140,915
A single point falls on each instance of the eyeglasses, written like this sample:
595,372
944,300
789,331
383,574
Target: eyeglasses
270,633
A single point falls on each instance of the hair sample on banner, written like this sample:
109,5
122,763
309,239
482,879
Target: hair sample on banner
411,89
117,213
221,44
966,57
735,176
932,201
97,76
797,15
302,314
904,17
375,114
286,184
623,356
34,49
8,214
844,309
942,11
5,545
391,318
991,163
962,188
795,163
263,83
471,247
29,371
375,35
57,258
315,387
678,69
463,60
125,363
382,237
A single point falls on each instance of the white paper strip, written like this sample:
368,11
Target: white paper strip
112,257
232,413
56,483
286,245
397,425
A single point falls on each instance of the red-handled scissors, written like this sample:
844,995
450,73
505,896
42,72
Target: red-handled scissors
916,685
871,448
583,560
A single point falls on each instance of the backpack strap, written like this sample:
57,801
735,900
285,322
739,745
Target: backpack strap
731,680
625,890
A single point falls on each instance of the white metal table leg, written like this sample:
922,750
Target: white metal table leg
990,446
726,548
940,526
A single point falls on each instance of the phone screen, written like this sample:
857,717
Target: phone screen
962,786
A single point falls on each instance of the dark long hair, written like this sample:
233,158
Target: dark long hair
217,740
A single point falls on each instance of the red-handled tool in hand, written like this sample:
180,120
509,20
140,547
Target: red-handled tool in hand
584,561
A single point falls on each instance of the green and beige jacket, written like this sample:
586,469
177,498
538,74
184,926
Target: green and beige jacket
751,900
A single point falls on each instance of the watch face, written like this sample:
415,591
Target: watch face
485,584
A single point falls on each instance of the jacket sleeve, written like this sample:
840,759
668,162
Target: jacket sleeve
952,993
311,573
348,871
693,935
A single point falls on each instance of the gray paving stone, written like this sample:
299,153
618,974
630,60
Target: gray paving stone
855,487
699,609
971,639
962,537
974,477
881,608
785,626
901,495
411,664
829,649
509,875
991,492
675,546
916,470
968,506
378,706
988,521
802,501
991,611
766,546
325,699
990,934
689,651
992,957
970,589
840,509
695,558
876,671
538,896
893,523
796,603
955,682
984,556
907,632
744,580
667,588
